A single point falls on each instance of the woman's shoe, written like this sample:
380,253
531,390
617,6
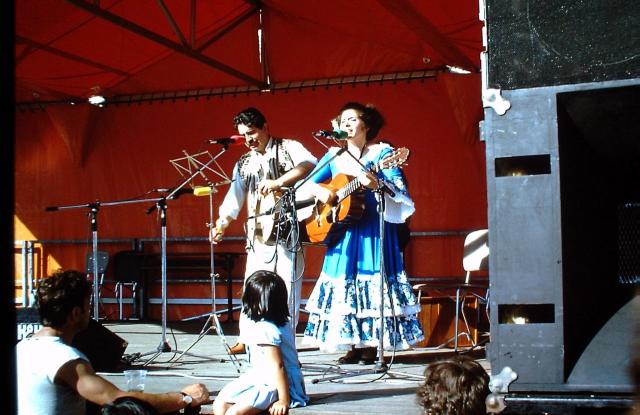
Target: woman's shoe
237,348
368,356
352,356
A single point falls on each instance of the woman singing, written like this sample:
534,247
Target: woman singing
344,306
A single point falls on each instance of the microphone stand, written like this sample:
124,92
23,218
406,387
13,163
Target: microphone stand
94,208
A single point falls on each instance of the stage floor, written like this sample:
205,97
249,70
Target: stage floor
392,391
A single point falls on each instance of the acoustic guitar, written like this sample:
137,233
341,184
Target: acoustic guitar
329,221
263,225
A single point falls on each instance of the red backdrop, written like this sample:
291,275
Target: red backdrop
73,155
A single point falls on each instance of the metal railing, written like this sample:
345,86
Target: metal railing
27,250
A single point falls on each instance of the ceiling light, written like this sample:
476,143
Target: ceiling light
96,100
458,70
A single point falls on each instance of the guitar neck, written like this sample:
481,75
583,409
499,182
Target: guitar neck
398,157
347,190
352,186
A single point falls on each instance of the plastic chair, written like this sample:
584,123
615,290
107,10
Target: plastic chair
475,257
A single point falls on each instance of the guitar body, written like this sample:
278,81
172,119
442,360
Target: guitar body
328,222
269,222
263,226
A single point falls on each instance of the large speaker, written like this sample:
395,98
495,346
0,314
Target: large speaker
556,42
563,166
103,347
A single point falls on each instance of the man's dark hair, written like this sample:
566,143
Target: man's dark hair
57,295
371,117
265,297
128,405
250,117
457,386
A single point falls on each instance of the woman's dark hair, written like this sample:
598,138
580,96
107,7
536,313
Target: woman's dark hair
128,405
250,117
371,117
57,295
458,386
265,297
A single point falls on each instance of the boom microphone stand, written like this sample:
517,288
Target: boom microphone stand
94,208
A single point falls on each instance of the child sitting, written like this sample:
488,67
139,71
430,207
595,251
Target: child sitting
274,382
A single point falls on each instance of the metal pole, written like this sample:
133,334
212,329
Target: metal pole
163,267
30,274
23,259
381,363
94,237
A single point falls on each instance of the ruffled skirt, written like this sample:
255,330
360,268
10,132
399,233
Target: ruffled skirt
345,305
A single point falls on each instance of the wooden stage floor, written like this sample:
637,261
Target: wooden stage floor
372,393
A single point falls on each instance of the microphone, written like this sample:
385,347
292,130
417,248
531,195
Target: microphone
335,134
202,190
234,140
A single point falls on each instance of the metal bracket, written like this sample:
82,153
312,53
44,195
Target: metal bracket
499,386
491,98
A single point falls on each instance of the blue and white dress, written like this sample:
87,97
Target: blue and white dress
256,387
344,307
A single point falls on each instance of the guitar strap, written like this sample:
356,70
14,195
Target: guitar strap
274,171
282,162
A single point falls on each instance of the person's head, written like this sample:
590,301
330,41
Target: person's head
253,126
359,119
128,406
265,297
64,295
454,386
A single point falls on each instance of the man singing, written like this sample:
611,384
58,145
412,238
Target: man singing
271,164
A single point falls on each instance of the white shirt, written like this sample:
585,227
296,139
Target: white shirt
38,362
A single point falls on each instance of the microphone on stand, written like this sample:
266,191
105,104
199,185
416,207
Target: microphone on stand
335,134
234,140
202,190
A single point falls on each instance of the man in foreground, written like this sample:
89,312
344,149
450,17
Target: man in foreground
56,378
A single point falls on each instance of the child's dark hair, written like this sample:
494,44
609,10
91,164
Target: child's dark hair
128,405
265,297
455,386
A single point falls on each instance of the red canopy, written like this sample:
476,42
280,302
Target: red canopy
173,53
72,49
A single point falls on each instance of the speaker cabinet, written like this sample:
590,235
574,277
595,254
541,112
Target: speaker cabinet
560,163
103,347
556,42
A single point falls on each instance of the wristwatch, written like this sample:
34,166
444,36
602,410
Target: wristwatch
187,399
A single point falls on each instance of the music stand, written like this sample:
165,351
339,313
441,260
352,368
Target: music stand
212,323
193,168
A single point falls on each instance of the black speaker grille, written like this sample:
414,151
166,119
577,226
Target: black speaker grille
629,243
554,42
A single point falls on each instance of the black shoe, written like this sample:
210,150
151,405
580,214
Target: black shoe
352,356
368,356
